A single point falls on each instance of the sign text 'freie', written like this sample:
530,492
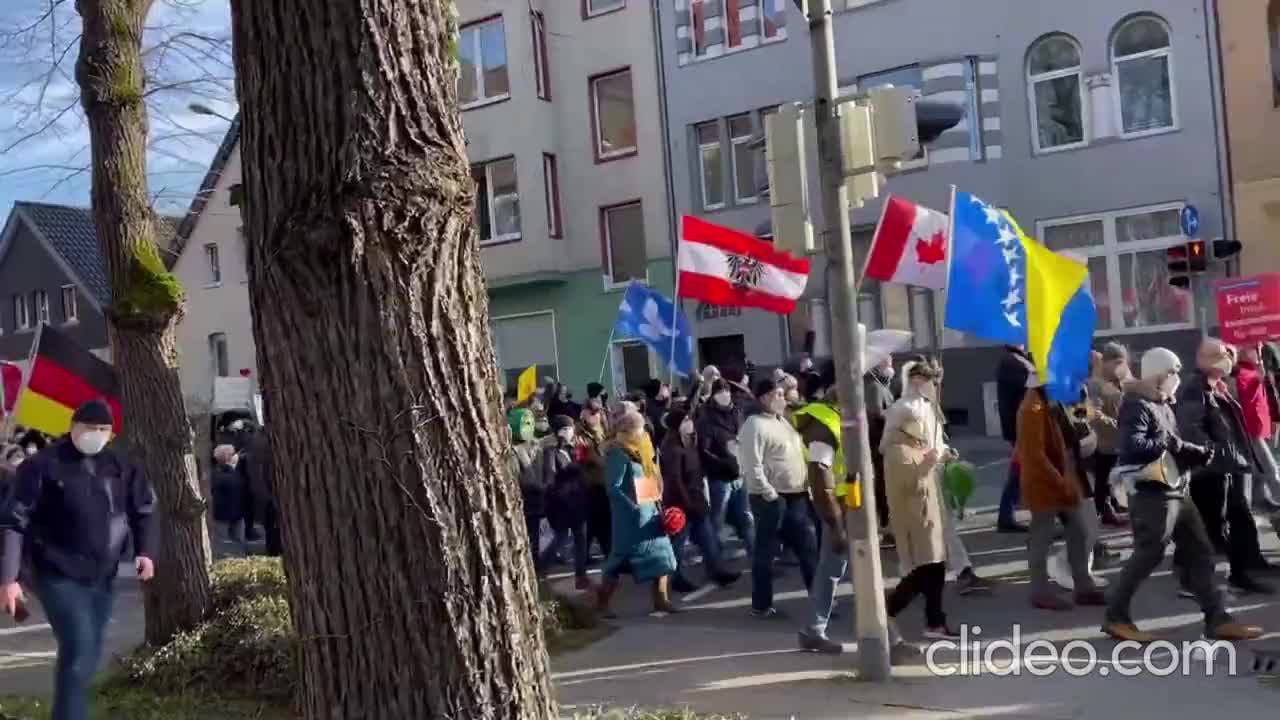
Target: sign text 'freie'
1249,308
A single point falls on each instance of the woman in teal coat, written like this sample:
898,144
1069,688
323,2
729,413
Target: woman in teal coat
640,546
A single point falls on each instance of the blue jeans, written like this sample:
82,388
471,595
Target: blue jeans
78,614
729,504
701,533
1011,496
785,519
832,567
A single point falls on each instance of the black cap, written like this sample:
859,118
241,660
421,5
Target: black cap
94,412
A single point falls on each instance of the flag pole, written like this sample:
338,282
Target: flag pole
675,313
866,258
939,327
608,348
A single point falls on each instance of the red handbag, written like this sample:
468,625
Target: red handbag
673,520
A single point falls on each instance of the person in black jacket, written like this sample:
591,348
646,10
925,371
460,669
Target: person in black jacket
1011,385
876,386
256,465
72,511
683,487
568,500
717,430
1208,415
227,486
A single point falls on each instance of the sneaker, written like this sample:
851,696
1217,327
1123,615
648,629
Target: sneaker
941,632
1127,632
681,585
1248,586
1232,631
769,613
819,644
1049,601
968,583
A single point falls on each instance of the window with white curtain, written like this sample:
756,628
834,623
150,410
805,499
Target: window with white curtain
1055,86
1142,75
1127,252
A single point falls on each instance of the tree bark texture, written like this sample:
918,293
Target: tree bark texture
409,568
146,305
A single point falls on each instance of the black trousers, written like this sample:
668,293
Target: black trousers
599,522
1102,466
1223,502
882,496
927,580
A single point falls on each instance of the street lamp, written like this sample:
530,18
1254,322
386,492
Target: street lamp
202,109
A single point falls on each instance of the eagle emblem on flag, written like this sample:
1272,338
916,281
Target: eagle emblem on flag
744,272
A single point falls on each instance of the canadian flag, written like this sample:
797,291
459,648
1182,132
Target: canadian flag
910,245
722,266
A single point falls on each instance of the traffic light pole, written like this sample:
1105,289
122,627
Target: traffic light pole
871,623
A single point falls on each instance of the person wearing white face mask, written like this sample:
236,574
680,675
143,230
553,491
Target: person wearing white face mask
71,511
1153,458
717,438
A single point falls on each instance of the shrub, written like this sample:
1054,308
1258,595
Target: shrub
235,579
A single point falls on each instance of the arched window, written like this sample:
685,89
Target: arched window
1142,75
1055,87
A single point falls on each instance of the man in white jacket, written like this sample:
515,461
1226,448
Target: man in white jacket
771,457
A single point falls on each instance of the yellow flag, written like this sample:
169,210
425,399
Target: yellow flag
527,384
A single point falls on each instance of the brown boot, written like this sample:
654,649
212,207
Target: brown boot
604,595
1232,631
662,596
1127,632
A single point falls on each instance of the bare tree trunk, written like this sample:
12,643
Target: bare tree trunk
146,305
409,569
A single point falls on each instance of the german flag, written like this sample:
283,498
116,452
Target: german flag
62,377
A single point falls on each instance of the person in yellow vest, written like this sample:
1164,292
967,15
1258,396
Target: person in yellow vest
818,423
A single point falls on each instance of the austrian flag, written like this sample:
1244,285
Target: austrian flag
722,266
910,246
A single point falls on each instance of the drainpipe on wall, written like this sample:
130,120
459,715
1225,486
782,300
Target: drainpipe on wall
655,7
1217,86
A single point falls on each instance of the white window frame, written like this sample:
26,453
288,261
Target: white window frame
491,199
718,145
1117,98
70,310
734,142
1032,80
213,265
600,152
484,99
555,337
215,357
1112,249
21,312
610,6
609,283
42,307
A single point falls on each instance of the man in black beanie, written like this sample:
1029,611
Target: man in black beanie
72,510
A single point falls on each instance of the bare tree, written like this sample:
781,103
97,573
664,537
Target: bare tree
409,567
112,87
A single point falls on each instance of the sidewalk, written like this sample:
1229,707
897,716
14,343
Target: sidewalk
762,675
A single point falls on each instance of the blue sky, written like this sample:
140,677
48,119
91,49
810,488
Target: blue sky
44,142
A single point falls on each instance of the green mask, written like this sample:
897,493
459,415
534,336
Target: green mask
522,426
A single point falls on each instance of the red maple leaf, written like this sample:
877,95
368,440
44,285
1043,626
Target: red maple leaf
932,251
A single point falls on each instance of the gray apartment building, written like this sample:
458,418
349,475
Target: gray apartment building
1093,122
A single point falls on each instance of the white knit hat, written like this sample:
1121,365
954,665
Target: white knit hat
1158,362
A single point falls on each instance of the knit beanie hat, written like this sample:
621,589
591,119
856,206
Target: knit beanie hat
94,412
1158,362
560,422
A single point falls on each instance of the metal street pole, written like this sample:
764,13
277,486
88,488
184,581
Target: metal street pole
871,623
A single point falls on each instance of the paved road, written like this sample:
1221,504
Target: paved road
715,657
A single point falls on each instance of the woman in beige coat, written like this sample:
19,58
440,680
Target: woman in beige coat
914,450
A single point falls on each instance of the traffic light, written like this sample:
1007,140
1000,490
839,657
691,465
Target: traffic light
1197,260
1226,249
934,117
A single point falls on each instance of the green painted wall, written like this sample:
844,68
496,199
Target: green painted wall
584,315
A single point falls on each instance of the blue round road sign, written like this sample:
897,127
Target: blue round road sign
1190,220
